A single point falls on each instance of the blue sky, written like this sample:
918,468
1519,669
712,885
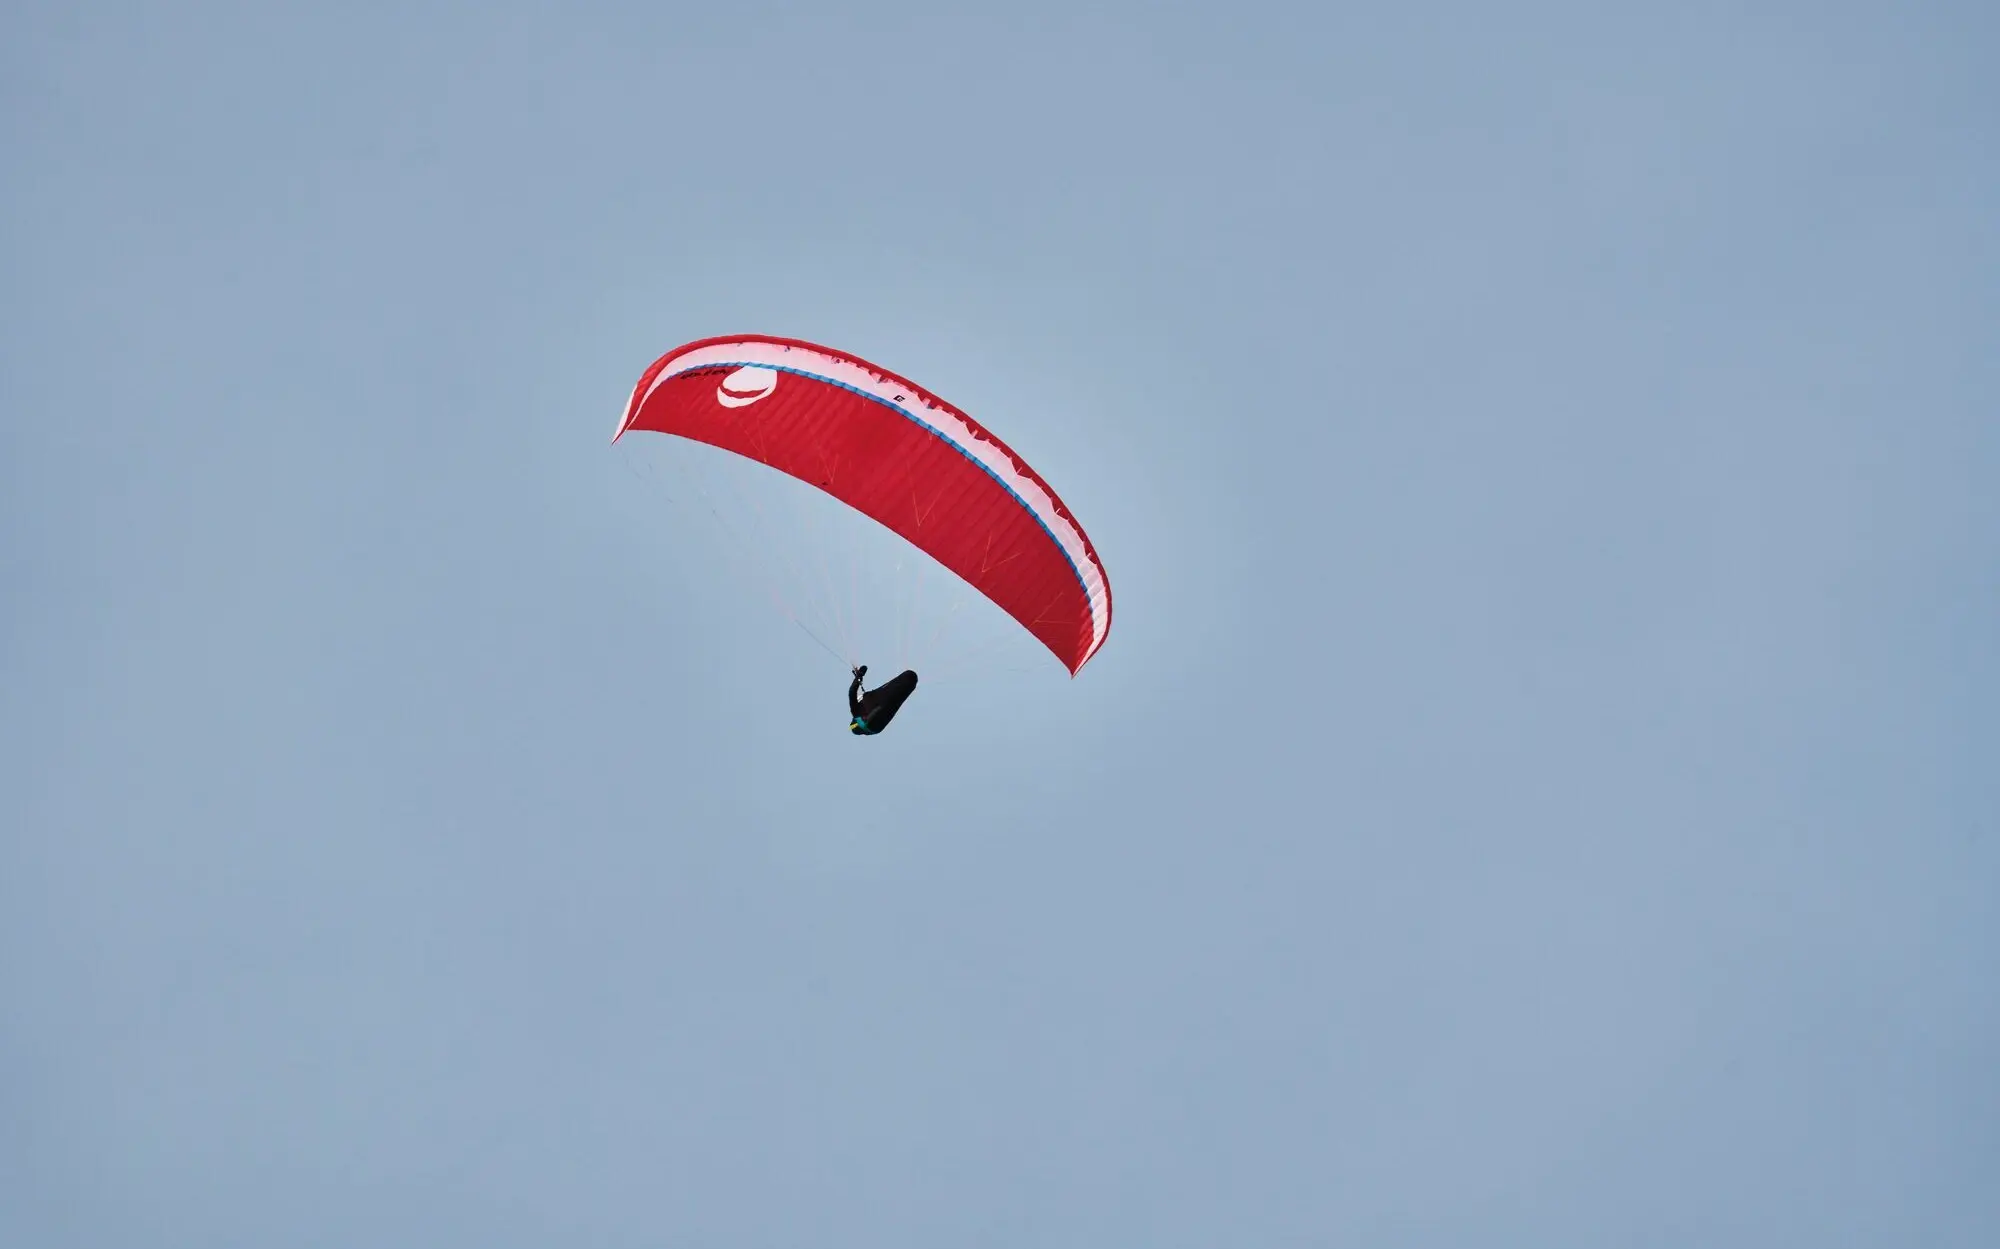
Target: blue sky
1539,789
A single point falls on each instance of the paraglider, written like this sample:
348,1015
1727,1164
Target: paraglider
871,712
887,448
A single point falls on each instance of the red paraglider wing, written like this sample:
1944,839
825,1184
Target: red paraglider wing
897,453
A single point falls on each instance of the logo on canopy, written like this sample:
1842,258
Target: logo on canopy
746,386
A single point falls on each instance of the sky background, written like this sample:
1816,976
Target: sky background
1540,789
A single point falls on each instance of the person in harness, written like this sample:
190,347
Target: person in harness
872,711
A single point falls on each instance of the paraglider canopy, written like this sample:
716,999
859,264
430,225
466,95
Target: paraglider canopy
890,449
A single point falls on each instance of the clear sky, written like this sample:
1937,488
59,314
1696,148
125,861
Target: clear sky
1542,788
